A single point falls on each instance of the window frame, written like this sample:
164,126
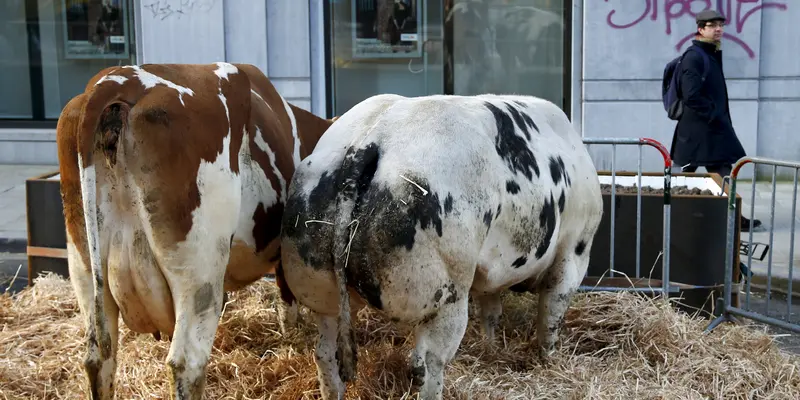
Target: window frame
35,70
566,100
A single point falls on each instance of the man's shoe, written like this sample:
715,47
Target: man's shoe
746,225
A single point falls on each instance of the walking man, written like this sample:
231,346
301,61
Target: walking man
704,135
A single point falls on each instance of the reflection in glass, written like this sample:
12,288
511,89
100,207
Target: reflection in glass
502,46
49,49
464,47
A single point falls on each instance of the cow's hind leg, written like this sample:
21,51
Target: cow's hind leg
286,303
555,294
197,289
330,385
437,340
287,315
491,308
102,327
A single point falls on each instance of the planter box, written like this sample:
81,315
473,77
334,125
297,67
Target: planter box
697,239
47,237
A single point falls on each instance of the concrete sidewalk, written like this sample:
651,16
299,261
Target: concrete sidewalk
781,229
13,224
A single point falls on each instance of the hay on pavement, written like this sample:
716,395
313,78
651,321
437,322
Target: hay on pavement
613,345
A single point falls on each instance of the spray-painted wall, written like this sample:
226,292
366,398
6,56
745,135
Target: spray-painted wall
621,47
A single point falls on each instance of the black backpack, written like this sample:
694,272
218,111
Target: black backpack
670,91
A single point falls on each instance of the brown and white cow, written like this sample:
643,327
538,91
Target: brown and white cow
173,180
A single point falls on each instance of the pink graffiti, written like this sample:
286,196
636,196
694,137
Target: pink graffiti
674,9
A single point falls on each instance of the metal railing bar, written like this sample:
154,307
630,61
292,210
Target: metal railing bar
749,253
771,234
728,311
764,319
639,213
667,201
613,206
791,243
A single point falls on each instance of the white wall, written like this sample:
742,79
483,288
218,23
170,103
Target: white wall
272,35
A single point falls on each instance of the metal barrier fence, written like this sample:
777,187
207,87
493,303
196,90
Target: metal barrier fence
640,142
728,312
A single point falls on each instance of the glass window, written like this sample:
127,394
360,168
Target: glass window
503,46
385,46
53,47
15,101
464,47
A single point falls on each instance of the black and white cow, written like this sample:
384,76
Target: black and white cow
412,204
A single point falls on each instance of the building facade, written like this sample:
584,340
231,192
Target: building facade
622,46
600,60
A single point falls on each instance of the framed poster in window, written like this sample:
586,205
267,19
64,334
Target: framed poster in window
95,29
387,28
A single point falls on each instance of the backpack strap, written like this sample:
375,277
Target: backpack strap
706,66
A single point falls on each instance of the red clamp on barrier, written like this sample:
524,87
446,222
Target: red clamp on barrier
661,148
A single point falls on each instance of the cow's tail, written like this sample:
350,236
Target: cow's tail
351,179
103,117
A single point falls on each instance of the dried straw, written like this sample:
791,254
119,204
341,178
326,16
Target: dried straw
614,345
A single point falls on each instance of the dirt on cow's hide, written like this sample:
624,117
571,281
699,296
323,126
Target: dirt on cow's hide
675,190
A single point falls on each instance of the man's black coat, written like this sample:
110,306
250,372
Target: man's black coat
704,135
